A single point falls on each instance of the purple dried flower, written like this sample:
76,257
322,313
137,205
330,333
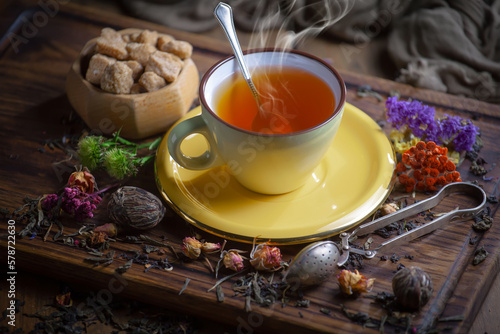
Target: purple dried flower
466,137
50,202
417,117
420,120
449,126
74,202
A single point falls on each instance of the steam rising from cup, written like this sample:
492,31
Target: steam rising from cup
311,17
284,25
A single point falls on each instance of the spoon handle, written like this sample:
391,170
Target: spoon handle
224,14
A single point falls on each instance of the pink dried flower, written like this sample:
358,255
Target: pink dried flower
110,229
354,282
210,247
266,258
74,202
233,260
64,299
82,180
191,247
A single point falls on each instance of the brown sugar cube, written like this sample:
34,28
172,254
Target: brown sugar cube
166,65
163,39
137,89
110,33
140,52
181,49
152,81
148,37
134,37
136,68
117,78
97,65
111,43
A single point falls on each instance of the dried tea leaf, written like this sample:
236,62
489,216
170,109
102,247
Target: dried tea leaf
220,294
480,255
186,282
123,268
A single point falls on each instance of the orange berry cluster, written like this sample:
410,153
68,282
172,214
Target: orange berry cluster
425,166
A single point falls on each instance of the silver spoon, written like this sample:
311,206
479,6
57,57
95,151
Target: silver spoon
264,118
317,261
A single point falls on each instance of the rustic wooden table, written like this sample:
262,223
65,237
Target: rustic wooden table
34,61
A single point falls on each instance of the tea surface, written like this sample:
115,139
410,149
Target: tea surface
302,98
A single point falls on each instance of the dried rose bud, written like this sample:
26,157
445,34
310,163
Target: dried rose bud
388,208
82,180
412,287
191,247
264,257
110,229
64,299
210,247
354,282
233,260
97,238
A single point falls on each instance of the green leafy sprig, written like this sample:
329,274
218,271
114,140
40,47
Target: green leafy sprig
118,156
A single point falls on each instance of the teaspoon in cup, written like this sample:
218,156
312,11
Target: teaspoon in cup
266,119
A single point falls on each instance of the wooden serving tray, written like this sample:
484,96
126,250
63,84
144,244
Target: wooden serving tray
34,108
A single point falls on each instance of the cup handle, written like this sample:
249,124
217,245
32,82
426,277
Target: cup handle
210,158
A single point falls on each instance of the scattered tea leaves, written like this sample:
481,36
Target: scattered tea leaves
146,261
220,294
303,303
452,318
480,255
483,221
123,268
186,282
325,310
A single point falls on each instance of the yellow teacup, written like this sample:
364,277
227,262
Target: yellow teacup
263,161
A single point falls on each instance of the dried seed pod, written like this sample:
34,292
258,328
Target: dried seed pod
135,208
412,287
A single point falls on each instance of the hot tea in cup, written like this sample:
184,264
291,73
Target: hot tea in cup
297,88
300,97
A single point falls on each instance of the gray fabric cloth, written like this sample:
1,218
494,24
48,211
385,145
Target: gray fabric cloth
450,46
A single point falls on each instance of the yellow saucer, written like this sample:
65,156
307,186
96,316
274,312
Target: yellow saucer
353,179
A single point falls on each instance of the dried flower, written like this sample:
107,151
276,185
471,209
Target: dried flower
412,288
64,299
233,260
110,229
82,180
354,282
118,156
388,208
74,202
402,141
119,163
210,247
266,258
97,238
191,247
425,166
419,120
89,151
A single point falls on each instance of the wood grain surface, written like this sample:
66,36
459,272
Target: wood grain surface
34,108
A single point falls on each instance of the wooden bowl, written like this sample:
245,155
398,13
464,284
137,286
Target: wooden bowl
136,116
